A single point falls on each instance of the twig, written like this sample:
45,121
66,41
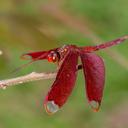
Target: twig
1,52
27,78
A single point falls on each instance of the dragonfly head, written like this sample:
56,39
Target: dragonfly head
53,56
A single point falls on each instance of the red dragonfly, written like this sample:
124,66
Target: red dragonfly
67,59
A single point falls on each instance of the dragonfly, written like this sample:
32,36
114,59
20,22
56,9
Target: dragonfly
66,57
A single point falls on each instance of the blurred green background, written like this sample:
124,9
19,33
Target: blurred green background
29,25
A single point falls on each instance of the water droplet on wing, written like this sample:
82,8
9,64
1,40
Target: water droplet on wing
51,107
95,105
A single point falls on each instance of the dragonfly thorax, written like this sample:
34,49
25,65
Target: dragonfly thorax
58,54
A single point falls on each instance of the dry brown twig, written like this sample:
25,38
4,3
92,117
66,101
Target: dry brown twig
1,52
34,76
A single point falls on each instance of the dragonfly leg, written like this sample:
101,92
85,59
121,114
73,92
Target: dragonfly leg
79,66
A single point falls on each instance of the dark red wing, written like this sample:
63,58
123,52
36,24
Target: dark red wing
94,73
63,85
35,55
105,45
40,55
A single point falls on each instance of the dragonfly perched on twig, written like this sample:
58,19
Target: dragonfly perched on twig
66,58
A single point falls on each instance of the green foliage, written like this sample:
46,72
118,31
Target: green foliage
25,26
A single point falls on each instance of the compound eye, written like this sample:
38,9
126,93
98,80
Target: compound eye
52,57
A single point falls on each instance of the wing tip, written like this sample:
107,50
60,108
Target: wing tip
95,105
26,57
50,107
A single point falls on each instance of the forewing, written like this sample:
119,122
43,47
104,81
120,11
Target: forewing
35,55
63,85
39,55
94,73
